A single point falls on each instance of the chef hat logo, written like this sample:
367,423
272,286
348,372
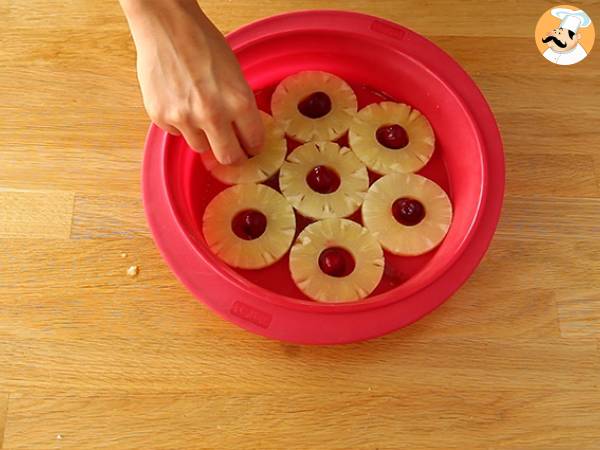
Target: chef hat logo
571,20
565,35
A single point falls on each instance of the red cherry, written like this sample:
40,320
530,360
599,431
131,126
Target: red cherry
408,211
249,224
323,180
336,262
392,136
315,105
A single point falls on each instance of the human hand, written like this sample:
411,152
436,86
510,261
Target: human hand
190,80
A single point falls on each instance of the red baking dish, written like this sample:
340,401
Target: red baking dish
381,60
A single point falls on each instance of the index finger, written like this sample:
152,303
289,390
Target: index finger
224,143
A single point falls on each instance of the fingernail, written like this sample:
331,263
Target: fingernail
254,148
240,158
258,143
255,144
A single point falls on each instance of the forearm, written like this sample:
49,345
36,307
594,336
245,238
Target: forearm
191,81
151,16
136,9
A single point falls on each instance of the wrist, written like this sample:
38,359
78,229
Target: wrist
140,8
140,12
150,20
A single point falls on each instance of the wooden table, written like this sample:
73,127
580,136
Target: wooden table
91,358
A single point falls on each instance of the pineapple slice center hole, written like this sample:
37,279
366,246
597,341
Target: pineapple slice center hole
315,105
336,262
408,211
323,179
249,224
393,136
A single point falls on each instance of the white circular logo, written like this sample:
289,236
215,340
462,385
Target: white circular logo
565,35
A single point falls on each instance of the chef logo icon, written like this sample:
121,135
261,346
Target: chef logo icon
564,35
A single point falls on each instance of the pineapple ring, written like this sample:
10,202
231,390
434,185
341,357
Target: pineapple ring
295,88
314,239
392,235
354,180
257,168
266,249
378,157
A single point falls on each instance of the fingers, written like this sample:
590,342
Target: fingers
248,123
195,137
224,143
222,138
250,131
208,125
168,128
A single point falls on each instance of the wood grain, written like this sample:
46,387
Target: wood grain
35,214
403,420
92,358
561,264
579,313
107,363
567,176
99,216
550,219
3,412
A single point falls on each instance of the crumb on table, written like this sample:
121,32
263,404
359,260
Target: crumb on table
133,271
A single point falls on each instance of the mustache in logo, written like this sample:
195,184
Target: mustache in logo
555,40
